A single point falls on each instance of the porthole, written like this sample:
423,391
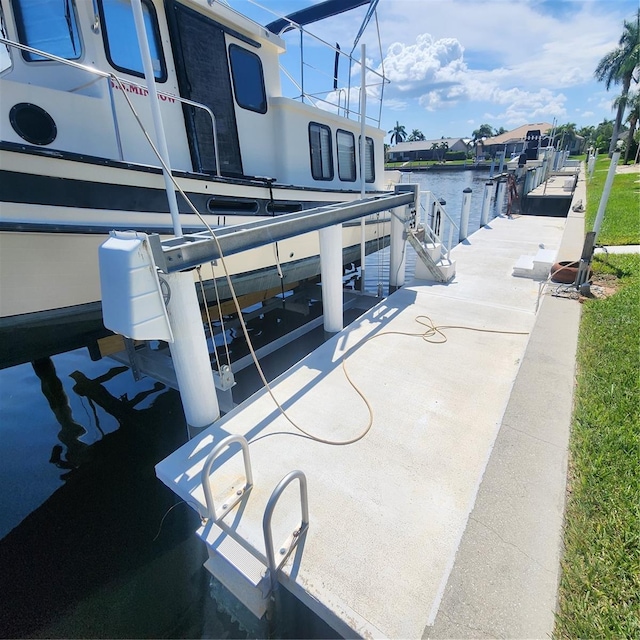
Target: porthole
32,123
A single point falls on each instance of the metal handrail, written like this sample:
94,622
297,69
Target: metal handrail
437,237
307,96
206,479
109,76
291,543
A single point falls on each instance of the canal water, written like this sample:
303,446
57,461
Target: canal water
91,543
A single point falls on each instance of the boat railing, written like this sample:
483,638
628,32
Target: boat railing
437,222
112,79
310,81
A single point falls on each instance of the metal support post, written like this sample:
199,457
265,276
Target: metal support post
605,194
363,163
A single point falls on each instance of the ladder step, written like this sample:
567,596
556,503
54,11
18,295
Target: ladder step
430,257
240,572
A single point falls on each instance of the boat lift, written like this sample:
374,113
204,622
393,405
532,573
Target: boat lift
142,277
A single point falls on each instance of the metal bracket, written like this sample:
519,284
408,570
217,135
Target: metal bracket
133,358
224,379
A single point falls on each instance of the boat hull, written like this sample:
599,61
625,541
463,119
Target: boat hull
49,318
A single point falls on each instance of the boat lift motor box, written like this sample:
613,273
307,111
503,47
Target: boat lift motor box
132,299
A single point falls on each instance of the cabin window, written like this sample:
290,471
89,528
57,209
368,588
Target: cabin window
5,55
248,79
321,152
346,144
48,25
369,160
121,41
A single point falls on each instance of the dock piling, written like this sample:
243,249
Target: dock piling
464,215
486,201
500,196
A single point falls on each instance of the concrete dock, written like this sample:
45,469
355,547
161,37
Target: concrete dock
445,519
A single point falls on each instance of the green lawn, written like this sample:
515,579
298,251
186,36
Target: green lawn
600,586
621,224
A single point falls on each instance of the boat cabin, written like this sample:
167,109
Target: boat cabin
218,78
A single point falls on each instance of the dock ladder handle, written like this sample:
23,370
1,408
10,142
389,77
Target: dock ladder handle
206,479
291,542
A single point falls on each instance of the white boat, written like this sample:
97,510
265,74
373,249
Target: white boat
75,162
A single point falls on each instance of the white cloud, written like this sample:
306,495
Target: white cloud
435,72
427,62
395,105
466,61
528,106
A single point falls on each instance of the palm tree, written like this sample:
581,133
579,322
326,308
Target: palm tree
415,136
566,134
588,134
618,66
398,133
633,103
444,146
483,131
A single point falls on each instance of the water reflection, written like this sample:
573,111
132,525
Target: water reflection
71,431
88,561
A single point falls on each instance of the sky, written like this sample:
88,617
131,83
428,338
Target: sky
457,64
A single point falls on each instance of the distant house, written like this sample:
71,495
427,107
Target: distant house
424,149
527,137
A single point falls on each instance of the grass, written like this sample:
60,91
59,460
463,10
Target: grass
621,223
599,593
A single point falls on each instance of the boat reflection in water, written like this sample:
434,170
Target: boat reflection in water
90,560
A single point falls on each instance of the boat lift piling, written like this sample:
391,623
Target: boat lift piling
486,201
331,277
464,214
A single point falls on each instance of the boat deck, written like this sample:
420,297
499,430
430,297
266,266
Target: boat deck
388,512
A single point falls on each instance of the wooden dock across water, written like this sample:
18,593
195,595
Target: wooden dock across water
387,512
